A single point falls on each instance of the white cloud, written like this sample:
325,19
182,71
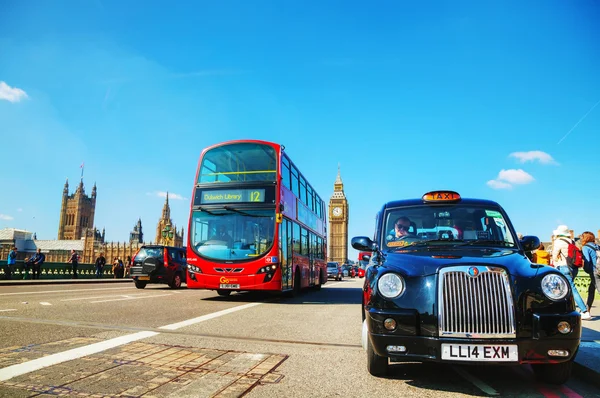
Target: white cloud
515,176
11,94
161,194
5,217
506,179
495,184
532,156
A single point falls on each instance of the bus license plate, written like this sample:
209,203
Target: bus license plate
480,352
228,286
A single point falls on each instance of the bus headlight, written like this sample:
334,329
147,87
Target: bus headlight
555,287
390,285
194,268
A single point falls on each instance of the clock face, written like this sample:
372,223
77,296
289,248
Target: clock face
337,211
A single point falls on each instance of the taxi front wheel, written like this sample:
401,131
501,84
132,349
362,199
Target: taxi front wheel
376,365
555,373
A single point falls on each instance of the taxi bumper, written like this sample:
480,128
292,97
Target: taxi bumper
531,349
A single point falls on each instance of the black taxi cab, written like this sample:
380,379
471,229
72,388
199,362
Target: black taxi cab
449,282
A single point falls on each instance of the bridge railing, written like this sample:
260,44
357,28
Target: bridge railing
51,270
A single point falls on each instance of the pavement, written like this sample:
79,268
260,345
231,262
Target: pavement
24,282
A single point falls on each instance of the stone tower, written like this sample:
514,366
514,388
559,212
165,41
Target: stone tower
137,236
164,222
338,223
76,212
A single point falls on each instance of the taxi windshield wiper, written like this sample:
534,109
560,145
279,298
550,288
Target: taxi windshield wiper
422,243
484,242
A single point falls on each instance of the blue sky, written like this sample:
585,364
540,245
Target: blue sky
407,97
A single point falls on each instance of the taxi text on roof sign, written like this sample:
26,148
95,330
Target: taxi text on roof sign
441,196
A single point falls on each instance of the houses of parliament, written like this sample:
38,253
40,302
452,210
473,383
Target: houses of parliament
76,231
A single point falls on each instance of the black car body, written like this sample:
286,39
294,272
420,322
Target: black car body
459,289
159,264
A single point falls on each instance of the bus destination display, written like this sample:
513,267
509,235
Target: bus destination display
232,196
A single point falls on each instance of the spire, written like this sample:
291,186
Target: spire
66,188
166,213
338,179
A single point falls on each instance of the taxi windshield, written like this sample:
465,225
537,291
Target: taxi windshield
454,224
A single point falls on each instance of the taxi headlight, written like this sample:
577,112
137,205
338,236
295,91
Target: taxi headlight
390,285
555,287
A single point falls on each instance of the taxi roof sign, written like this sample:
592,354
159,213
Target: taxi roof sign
441,196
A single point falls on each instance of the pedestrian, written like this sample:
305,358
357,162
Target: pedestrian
541,256
100,263
37,261
590,264
117,268
128,266
10,263
74,260
559,258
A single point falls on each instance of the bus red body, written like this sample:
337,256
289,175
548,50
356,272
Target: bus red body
255,222
362,263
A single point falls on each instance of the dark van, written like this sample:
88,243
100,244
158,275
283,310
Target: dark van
159,264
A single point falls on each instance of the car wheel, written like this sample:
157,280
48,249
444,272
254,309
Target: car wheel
223,293
140,284
176,282
555,373
376,365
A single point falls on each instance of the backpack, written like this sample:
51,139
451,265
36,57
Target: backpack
574,256
597,250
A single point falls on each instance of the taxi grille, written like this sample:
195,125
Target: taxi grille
479,306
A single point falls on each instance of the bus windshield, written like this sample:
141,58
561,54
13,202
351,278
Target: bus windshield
231,234
241,162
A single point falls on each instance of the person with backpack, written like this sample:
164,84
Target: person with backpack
591,264
565,256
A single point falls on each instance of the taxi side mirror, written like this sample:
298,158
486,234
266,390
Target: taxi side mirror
530,243
363,243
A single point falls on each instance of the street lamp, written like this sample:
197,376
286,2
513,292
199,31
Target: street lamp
167,234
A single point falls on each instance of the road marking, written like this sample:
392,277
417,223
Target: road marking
547,392
207,317
101,297
66,291
44,303
7,310
475,381
54,359
130,298
37,364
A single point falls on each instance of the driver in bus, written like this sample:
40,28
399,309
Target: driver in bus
223,236
401,228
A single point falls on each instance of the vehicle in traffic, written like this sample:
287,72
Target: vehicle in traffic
363,263
449,282
159,264
256,223
334,271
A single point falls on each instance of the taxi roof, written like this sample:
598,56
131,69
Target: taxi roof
419,201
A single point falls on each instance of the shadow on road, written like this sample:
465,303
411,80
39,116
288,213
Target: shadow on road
307,296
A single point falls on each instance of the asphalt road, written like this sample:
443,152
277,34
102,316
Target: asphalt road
105,340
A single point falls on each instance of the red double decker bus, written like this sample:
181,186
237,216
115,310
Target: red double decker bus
255,222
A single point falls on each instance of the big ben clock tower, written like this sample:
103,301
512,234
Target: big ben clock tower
338,223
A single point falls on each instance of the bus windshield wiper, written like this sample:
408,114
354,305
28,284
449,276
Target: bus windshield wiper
238,211
209,212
